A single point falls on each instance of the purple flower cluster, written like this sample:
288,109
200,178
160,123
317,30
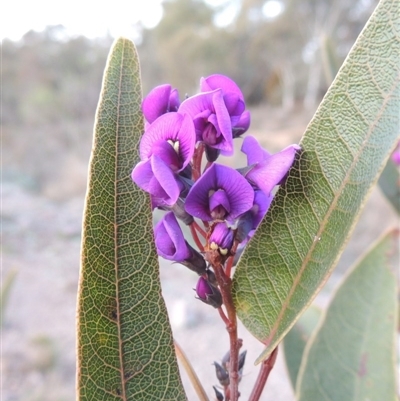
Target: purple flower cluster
220,204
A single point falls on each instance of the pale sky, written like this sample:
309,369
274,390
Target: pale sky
81,17
96,18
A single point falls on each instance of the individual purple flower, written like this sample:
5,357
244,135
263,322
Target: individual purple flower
156,178
162,99
169,239
221,238
208,293
267,170
172,138
233,98
171,244
211,120
221,193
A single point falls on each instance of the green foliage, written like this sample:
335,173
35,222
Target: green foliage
344,149
389,182
295,341
352,356
125,347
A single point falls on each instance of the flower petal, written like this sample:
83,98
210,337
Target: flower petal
156,102
156,178
269,172
238,191
169,239
253,150
200,108
173,127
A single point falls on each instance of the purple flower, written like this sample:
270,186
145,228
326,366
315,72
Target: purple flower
169,239
156,178
249,221
172,138
211,120
221,193
267,170
208,293
233,98
221,238
162,99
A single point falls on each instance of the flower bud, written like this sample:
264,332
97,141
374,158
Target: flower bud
195,262
218,394
222,374
208,293
221,239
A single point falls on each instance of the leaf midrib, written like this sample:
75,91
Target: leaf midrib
116,247
322,227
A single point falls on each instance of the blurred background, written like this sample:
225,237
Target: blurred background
282,53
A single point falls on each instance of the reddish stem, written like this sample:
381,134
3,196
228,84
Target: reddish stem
198,155
225,285
199,229
223,316
196,237
263,374
229,262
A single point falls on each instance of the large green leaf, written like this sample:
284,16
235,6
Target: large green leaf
389,183
296,340
345,147
125,347
352,356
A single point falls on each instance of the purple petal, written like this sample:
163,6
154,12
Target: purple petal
156,102
210,115
169,239
238,191
154,177
233,96
219,198
269,172
173,127
261,205
222,236
242,125
253,150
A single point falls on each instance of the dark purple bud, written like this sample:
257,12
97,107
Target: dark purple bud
222,374
169,239
220,193
179,210
172,138
218,394
221,238
195,262
208,293
162,99
211,120
242,359
212,154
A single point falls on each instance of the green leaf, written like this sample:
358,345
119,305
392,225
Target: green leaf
125,346
389,183
296,340
345,147
352,356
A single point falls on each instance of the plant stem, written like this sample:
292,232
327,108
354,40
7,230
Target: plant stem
225,285
263,374
196,237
